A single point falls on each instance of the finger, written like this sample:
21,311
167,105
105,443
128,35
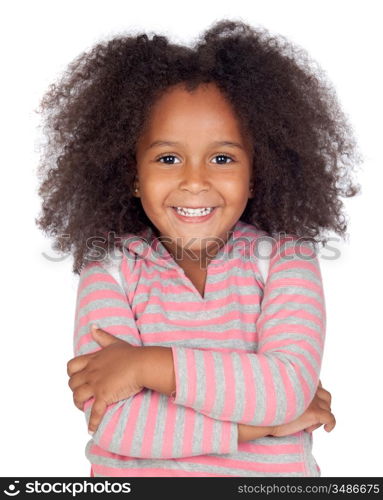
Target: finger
102,337
97,412
329,420
323,394
319,383
77,380
330,426
312,428
81,395
325,405
77,364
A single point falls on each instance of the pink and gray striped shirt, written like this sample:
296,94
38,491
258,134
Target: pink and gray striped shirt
247,352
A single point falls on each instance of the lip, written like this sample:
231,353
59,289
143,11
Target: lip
202,206
192,220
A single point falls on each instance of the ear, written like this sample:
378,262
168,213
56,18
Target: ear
136,188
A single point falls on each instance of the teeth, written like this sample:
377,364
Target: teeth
194,212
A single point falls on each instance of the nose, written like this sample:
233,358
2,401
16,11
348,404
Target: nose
195,178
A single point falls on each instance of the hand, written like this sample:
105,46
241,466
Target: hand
318,413
109,375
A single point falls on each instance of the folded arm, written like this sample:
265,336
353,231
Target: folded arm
148,424
276,384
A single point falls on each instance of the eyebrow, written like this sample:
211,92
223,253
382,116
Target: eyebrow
216,143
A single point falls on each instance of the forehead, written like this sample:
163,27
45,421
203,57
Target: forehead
196,113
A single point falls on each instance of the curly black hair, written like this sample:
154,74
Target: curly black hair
303,143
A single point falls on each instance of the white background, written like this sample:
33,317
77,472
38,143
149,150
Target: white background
42,432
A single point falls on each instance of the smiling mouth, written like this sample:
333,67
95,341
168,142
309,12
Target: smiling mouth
195,208
194,216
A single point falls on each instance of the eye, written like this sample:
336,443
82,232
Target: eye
166,156
224,156
221,156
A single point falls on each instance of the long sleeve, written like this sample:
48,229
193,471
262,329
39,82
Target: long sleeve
148,424
275,384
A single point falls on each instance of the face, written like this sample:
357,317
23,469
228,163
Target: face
193,153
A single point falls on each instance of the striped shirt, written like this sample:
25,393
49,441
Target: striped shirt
249,351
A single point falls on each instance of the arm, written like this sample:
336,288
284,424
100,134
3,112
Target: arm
148,424
158,374
276,384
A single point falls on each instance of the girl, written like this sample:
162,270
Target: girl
165,169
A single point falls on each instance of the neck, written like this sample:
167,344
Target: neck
198,258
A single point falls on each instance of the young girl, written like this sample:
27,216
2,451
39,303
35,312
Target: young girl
166,167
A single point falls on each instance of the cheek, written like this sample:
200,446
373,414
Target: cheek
155,196
234,189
